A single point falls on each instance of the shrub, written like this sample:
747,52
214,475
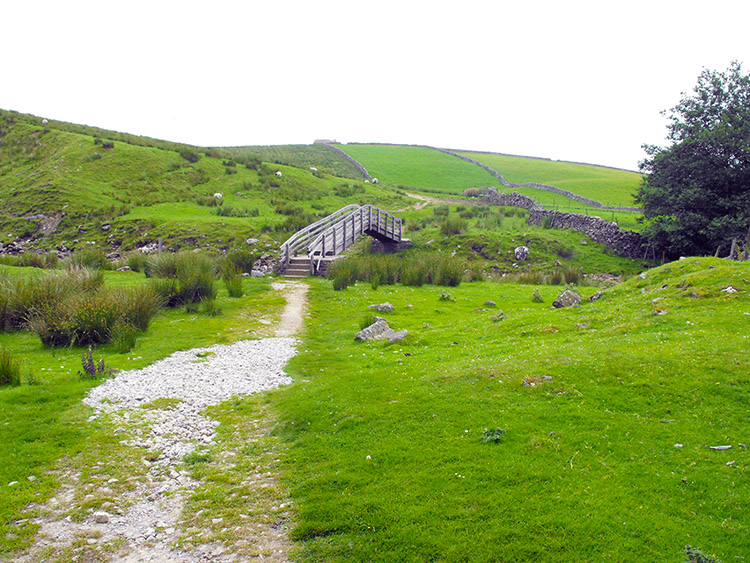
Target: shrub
10,372
441,210
453,225
241,259
374,281
137,261
124,337
536,297
572,274
90,257
449,273
233,282
472,192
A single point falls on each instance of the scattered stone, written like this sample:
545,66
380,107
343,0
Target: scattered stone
678,445
584,242
584,326
567,298
397,336
655,301
729,289
101,517
521,253
658,312
490,304
257,274
124,269
382,308
13,483
31,478
251,241
720,447
376,331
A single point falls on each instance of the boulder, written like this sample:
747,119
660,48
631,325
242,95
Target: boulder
382,308
397,336
567,298
521,253
376,331
257,274
490,304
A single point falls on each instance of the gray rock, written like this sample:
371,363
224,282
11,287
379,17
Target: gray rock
567,298
101,517
398,336
490,304
124,269
382,308
596,297
257,274
252,241
521,253
376,331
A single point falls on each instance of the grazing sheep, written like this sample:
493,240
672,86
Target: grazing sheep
374,180
313,169
278,173
218,195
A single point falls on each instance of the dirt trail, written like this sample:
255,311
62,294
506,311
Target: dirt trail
142,518
426,199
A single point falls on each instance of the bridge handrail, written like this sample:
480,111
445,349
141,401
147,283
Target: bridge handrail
298,239
313,237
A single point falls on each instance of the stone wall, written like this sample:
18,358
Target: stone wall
350,159
537,186
625,243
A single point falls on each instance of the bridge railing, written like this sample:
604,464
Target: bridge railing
299,241
335,233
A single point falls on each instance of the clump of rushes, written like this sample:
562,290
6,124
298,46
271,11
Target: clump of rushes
185,277
10,372
71,307
233,282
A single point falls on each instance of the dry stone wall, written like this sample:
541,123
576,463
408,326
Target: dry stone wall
625,243
350,159
545,187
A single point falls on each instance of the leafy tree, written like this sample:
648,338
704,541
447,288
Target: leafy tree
696,192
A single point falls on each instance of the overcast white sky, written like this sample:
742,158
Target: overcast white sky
576,80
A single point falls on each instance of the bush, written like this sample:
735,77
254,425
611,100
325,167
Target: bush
441,210
124,337
189,155
233,283
241,259
10,372
536,297
188,277
136,261
472,192
90,257
453,225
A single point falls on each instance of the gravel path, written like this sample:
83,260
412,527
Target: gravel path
191,381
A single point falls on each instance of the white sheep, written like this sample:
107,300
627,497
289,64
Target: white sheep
313,169
218,195
374,180
278,173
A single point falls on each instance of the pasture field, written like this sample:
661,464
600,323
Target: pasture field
609,186
420,168
542,434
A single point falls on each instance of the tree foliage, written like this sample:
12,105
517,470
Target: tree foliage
696,192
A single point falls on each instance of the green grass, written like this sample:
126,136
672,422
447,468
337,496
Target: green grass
386,452
420,168
42,424
609,186
130,195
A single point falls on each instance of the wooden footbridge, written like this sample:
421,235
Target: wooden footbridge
310,250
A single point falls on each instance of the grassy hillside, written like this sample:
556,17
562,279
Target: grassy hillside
564,435
420,168
609,186
301,156
121,196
